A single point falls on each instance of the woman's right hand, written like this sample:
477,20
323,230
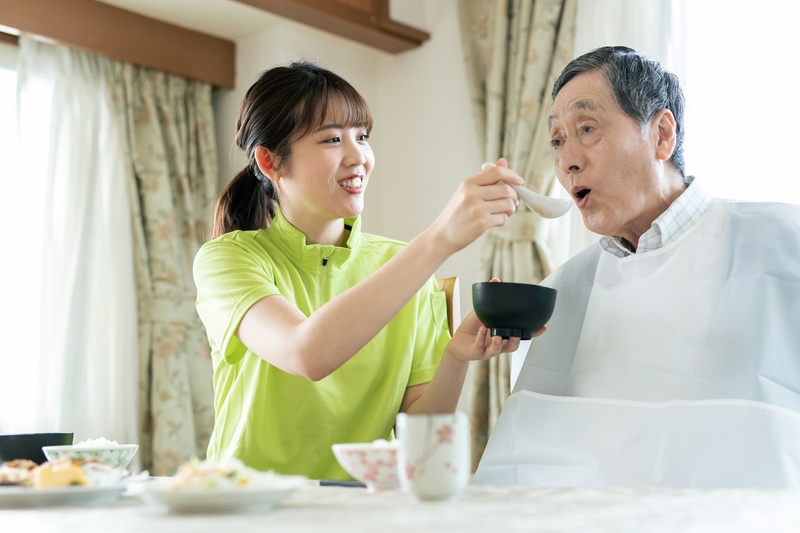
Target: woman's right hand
480,203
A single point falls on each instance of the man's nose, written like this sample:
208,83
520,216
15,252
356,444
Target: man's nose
570,158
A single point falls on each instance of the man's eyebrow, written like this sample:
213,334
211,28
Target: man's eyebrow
588,105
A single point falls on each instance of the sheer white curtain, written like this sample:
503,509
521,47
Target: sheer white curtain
653,27
85,377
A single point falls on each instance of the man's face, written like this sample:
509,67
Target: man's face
603,160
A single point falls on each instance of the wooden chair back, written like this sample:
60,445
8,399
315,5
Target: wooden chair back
450,288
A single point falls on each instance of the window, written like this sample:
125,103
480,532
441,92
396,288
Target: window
21,219
740,88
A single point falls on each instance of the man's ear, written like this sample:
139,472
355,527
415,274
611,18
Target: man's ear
266,163
665,134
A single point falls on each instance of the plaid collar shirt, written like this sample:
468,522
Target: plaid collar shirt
679,217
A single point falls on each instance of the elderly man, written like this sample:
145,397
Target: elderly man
673,354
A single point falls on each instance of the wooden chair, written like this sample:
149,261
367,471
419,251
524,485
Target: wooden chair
450,288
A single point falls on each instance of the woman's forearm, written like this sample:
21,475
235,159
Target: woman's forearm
315,346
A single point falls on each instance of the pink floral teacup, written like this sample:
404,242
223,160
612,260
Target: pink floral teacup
434,460
372,463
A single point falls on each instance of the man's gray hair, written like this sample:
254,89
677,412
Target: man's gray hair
641,87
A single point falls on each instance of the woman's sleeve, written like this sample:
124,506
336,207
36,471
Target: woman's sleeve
229,279
432,336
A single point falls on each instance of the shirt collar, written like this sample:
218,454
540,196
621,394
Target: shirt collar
313,256
684,213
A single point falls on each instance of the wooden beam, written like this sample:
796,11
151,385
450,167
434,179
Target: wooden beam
119,34
365,21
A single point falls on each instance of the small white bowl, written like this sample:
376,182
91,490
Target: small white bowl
372,463
117,456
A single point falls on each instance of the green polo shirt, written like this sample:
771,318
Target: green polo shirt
272,420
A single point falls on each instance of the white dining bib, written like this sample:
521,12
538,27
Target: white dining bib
677,367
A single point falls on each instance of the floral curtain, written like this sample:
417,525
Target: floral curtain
171,149
513,51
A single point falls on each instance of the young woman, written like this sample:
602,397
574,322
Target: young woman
320,333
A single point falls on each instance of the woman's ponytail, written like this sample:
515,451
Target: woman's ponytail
246,203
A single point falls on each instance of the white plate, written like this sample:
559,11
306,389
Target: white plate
19,497
220,500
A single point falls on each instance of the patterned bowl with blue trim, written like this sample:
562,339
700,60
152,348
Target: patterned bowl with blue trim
118,456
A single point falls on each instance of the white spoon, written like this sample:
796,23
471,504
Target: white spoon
543,205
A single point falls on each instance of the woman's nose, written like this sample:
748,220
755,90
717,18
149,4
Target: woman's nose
355,155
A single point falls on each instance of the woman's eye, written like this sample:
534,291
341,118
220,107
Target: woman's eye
587,129
555,143
332,140
363,137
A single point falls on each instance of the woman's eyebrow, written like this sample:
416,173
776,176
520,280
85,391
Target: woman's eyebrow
329,127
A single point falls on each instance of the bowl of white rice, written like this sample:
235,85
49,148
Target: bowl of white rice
108,451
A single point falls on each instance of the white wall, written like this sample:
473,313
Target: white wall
423,138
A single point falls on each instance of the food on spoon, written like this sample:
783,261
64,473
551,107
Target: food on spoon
17,472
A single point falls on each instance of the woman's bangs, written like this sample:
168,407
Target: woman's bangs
357,114
339,105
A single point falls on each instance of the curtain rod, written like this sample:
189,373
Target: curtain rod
8,38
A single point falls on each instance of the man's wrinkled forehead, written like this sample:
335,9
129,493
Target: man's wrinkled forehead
581,104
588,91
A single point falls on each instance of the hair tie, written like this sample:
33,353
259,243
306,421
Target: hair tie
256,172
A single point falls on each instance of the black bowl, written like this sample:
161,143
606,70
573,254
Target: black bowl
30,446
513,309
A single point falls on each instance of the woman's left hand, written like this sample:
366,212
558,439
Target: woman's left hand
474,342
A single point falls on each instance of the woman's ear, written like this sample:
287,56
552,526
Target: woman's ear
666,134
266,163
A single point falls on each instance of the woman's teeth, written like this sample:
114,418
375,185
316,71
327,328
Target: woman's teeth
354,183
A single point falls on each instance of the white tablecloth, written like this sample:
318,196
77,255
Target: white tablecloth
480,508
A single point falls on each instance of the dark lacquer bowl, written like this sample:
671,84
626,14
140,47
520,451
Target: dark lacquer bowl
30,446
513,309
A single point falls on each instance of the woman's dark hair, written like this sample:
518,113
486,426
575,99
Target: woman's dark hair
283,105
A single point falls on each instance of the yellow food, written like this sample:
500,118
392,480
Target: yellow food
62,473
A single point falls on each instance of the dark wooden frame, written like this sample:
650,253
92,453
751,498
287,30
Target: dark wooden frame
369,25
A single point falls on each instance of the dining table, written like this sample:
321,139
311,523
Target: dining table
500,509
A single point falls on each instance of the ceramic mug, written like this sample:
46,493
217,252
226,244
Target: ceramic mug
434,460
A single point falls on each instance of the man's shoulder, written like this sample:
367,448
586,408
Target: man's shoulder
763,228
762,219
759,211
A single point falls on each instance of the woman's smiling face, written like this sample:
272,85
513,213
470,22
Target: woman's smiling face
328,171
